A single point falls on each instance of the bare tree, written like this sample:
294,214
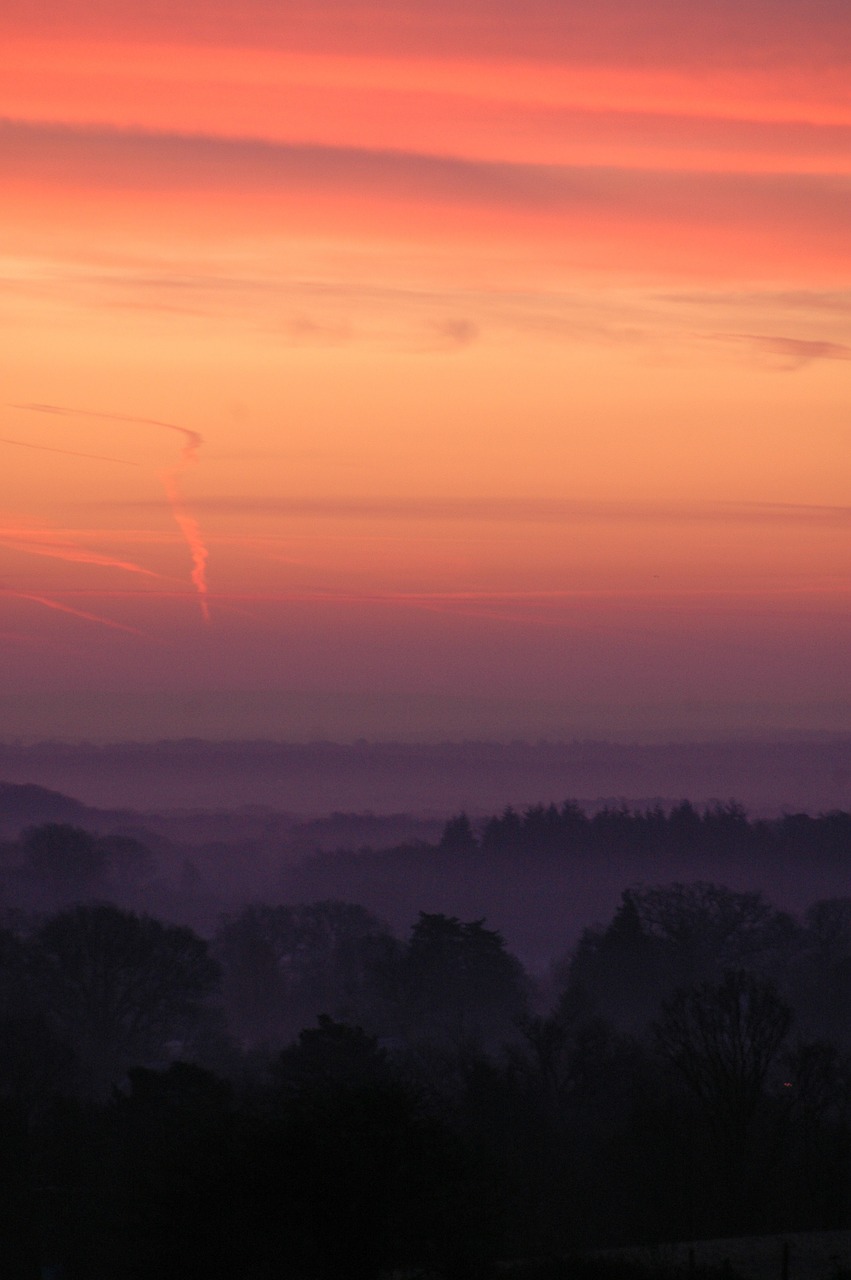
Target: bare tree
724,1039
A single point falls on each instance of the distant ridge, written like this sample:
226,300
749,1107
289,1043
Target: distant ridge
25,804
315,779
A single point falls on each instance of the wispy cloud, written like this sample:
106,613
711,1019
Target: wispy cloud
129,159
44,543
69,609
795,300
727,34
192,438
191,531
790,354
330,312
523,510
68,453
170,479
454,334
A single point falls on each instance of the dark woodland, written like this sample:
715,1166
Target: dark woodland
295,1086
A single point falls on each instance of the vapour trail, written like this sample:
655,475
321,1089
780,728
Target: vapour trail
39,544
185,521
188,526
193,439
70,453
77,613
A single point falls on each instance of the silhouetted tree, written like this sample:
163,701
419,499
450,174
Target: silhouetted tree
708,928
331,1056
458,836
670,936
503,834
621,970
123,989
457,983
284,965
724,1038
368,1172
65,860
172,1205
821,983
129,863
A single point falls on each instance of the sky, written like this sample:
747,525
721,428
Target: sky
425,369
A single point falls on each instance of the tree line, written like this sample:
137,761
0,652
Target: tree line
680,828
305,1093
56,862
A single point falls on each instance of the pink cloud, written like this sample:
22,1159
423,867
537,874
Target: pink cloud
803,205
726,32
790,354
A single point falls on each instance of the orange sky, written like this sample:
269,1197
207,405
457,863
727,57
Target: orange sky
426,356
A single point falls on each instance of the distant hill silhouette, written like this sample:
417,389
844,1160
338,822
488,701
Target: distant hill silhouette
312,780
27,805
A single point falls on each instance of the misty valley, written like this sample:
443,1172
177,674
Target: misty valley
244,1042
425,717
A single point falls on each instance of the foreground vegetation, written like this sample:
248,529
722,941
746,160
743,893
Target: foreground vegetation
304,1094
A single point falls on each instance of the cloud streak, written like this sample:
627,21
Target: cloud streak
790,354
129,159
193,440
509,510
42,543
191,531
726,33
170,479
69,609
68,453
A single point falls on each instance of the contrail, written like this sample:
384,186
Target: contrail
42,546
77,613
188,526
71,453
63,411
185,521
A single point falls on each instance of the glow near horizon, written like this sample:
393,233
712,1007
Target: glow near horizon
518,345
